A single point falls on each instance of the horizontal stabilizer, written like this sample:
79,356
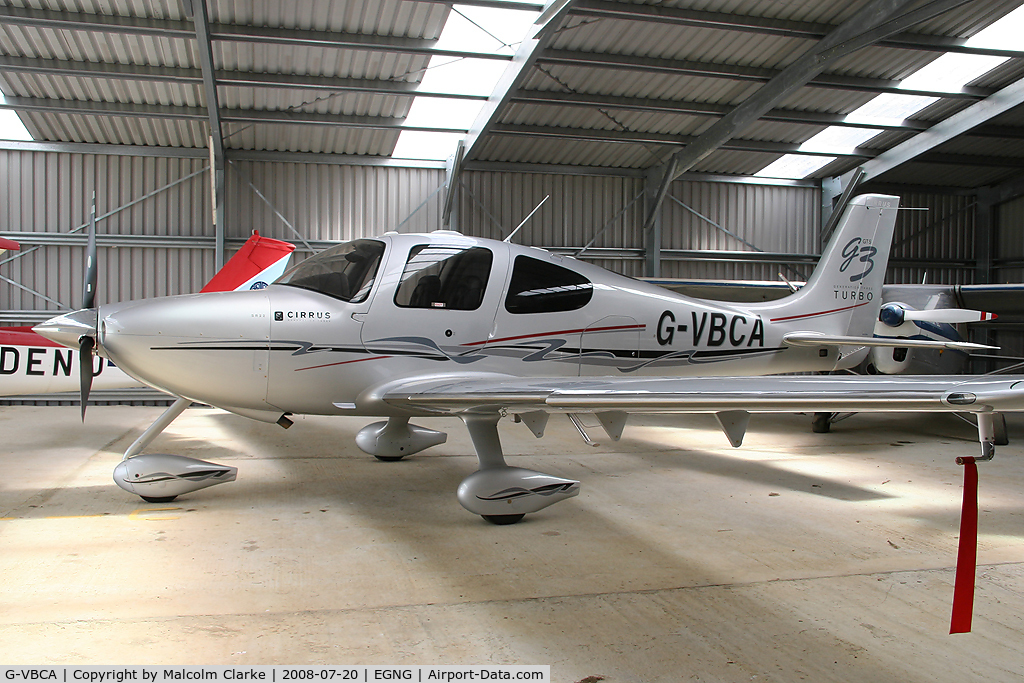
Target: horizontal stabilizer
818,339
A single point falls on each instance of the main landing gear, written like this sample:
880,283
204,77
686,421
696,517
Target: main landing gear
497,492
502,494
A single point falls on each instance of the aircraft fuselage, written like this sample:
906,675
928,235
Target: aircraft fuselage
437,304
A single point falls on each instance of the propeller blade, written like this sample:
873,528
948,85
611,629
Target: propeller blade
85,347
949,315
89,297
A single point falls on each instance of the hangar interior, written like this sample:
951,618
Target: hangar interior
700,140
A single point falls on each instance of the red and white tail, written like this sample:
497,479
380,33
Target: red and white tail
260,261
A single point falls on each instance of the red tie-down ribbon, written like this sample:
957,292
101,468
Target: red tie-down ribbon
967,554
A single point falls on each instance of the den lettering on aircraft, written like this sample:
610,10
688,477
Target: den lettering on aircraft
713,329
33,361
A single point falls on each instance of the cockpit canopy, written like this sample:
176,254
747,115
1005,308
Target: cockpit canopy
344,272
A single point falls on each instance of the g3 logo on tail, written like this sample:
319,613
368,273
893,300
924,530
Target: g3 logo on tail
853,249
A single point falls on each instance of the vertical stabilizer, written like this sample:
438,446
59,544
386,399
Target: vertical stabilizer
844,292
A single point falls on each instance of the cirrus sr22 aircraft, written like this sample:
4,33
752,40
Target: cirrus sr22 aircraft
414,325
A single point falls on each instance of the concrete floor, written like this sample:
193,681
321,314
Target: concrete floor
798,557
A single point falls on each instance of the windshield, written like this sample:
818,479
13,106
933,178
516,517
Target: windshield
344,272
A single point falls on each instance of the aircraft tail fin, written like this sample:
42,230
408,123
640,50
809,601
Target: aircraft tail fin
260,261
844,292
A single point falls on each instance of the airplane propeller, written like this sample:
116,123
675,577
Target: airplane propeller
894,315
87,342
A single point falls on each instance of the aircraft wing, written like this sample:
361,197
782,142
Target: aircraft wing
795,393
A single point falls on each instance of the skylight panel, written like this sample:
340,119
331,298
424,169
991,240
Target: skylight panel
490,30
1003,34
794,166
890,109
839,139
414,144
949,73
485,29
440,112
11,127
462,76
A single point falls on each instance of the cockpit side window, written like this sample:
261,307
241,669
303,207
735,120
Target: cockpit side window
344,272
444,276
541,287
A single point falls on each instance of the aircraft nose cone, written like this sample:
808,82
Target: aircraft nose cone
67,329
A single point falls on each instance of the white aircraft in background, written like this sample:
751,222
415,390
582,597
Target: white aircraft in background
31,364
414,325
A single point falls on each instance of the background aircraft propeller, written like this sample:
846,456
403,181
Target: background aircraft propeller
894,315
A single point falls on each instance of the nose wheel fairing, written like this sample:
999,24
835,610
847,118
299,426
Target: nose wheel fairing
162,476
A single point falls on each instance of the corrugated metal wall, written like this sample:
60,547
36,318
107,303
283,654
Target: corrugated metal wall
579,209
783,220
610,213
1009,251
331,202
1008,267
50,193
937,232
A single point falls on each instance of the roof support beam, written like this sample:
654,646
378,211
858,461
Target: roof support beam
959,124
363,160
513,76
80,21
85,108
240,79
341,41
95,148
678,67
683,108
72,69
166,28
767,25
158,111
602,135
196,10
872,23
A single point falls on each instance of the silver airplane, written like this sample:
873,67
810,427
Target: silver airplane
441,324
